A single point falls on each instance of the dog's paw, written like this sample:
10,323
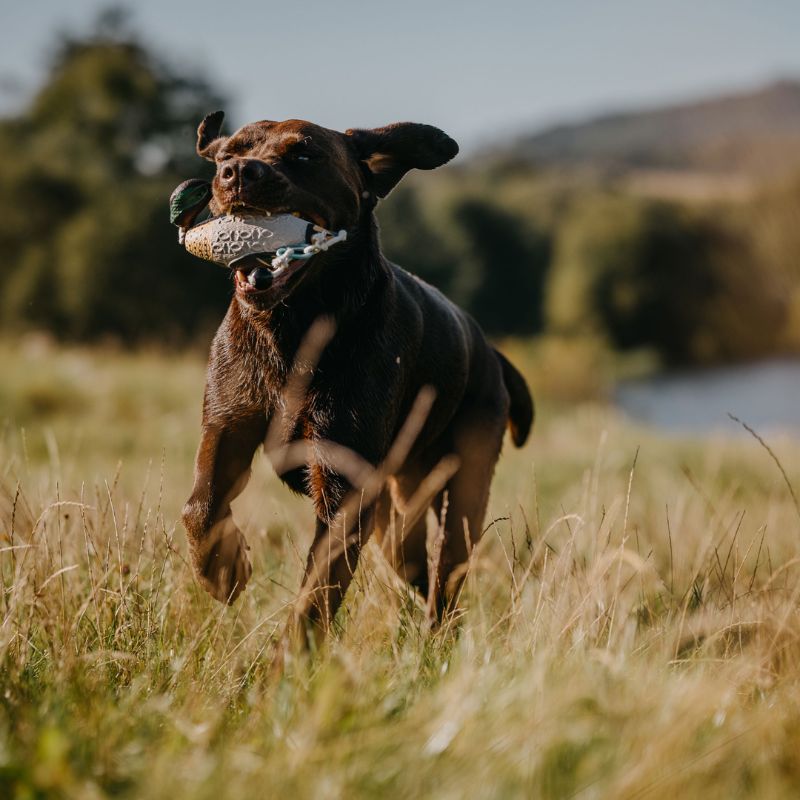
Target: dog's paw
221,563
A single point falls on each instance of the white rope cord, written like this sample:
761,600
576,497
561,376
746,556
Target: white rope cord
320,242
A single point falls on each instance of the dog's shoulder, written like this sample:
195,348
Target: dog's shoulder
450,338
431,302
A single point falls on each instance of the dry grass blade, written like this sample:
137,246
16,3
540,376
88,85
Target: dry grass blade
773,456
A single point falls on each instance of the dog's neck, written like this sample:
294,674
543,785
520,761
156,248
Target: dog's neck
343,283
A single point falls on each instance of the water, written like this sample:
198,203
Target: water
765,395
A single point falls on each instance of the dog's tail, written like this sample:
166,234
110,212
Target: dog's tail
520,414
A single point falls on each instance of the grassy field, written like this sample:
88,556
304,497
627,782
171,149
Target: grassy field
631,622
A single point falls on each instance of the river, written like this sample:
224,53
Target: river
765,395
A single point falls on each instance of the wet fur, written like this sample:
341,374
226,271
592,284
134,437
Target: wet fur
394,335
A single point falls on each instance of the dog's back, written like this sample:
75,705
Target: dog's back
452,355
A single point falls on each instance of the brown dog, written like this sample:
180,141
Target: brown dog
394,335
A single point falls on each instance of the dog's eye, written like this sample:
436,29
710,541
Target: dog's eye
300,151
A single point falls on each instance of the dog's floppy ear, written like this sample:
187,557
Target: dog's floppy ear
208,138
389,152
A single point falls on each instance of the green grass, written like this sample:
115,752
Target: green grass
630,628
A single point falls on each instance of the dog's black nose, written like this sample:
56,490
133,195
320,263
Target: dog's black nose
241,172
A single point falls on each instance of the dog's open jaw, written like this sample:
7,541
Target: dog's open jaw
255,277
263,248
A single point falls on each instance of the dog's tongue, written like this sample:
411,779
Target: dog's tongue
257,277
254,269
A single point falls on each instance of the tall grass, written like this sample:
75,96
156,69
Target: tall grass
629,626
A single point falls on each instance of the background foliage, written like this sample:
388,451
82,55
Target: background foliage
87,170
526,246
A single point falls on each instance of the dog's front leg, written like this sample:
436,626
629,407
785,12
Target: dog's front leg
330,566
222,468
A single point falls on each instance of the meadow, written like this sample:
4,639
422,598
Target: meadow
630,620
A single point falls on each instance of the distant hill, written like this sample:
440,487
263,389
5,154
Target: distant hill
755,134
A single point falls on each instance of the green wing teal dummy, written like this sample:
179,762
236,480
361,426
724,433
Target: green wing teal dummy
187,202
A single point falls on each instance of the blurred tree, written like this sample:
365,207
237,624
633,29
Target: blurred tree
510,260
747,315
485,258
649,274
773,220
87,172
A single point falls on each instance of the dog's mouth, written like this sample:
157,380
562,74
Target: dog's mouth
262,245
255,275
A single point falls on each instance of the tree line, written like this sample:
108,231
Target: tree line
89,252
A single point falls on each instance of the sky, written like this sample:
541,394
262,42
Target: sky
483,72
